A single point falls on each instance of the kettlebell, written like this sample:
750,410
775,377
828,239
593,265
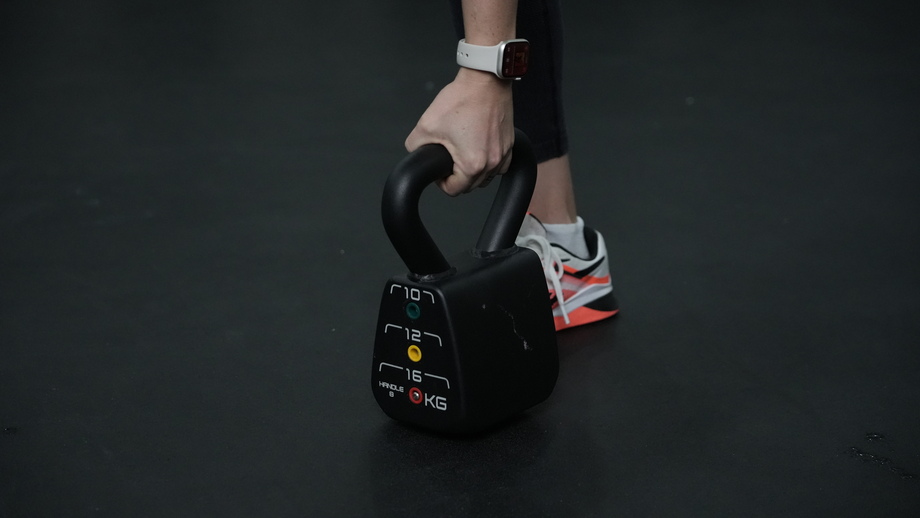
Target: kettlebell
462,345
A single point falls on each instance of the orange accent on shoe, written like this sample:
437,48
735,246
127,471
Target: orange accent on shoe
587,279
581,316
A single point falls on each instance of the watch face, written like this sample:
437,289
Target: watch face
514,58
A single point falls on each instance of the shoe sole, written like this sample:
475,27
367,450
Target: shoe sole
601,308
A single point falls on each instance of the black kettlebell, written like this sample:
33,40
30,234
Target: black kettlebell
465,344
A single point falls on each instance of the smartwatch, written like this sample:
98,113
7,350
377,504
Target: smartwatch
507,60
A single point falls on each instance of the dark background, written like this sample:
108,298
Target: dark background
191,260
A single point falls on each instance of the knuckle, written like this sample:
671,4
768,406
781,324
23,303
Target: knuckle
473,166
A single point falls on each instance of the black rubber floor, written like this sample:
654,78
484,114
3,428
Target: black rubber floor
191,261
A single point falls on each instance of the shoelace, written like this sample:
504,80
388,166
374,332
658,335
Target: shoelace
552,265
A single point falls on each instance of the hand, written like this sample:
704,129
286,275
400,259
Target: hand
473,118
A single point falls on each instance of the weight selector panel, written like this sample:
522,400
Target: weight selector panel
414,373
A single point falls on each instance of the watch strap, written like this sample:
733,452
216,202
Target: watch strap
484,58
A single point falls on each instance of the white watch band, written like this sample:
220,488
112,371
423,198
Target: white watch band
485,58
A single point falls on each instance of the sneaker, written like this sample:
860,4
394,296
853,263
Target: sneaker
579,288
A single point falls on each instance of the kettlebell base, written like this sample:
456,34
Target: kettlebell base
466,352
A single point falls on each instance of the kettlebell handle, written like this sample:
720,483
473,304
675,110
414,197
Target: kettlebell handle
432,162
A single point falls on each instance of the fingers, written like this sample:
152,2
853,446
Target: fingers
479,165
488,179
466,179
498,171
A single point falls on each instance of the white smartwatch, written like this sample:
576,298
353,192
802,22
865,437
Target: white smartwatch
507,60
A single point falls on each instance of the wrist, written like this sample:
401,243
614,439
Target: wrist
480,77
507,60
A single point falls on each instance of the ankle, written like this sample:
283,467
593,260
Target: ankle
554,213
570,236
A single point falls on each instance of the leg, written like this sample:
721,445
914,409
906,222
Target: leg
554,196
574,257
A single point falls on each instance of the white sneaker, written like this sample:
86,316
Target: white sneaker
579,288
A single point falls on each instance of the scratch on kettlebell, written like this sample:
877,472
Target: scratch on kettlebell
885,462
513,325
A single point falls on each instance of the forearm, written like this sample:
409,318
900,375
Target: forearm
473,116
489,22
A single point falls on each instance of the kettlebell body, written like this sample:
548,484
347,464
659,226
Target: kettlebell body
462,344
